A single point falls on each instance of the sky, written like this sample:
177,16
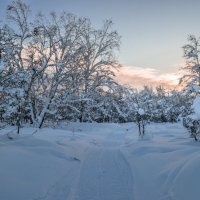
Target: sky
152,31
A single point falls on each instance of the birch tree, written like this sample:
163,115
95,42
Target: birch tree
192,67
56,58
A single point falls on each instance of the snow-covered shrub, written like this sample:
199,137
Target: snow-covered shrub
192,122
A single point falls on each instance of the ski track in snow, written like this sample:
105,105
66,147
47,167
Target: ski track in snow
105,175
102,174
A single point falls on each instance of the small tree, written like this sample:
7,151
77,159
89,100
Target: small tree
141,121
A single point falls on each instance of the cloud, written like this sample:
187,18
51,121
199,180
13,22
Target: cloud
138,77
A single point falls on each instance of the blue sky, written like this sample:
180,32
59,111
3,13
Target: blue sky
153,31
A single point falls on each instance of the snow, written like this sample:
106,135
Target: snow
141,111
196,107
1,66
91,161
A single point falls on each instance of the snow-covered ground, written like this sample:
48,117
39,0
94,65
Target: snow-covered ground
99,162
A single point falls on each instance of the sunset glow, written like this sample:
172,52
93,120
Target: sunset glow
138,77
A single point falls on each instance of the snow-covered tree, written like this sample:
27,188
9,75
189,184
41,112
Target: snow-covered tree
192,121
60,59
59,67
191,79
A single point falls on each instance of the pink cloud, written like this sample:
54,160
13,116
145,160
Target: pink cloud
138,77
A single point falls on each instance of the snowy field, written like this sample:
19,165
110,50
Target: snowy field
99,162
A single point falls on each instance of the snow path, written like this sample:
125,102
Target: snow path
102,173
105,175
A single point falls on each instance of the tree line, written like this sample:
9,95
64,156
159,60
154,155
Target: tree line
61,68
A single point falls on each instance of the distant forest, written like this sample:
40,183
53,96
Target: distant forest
60,68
